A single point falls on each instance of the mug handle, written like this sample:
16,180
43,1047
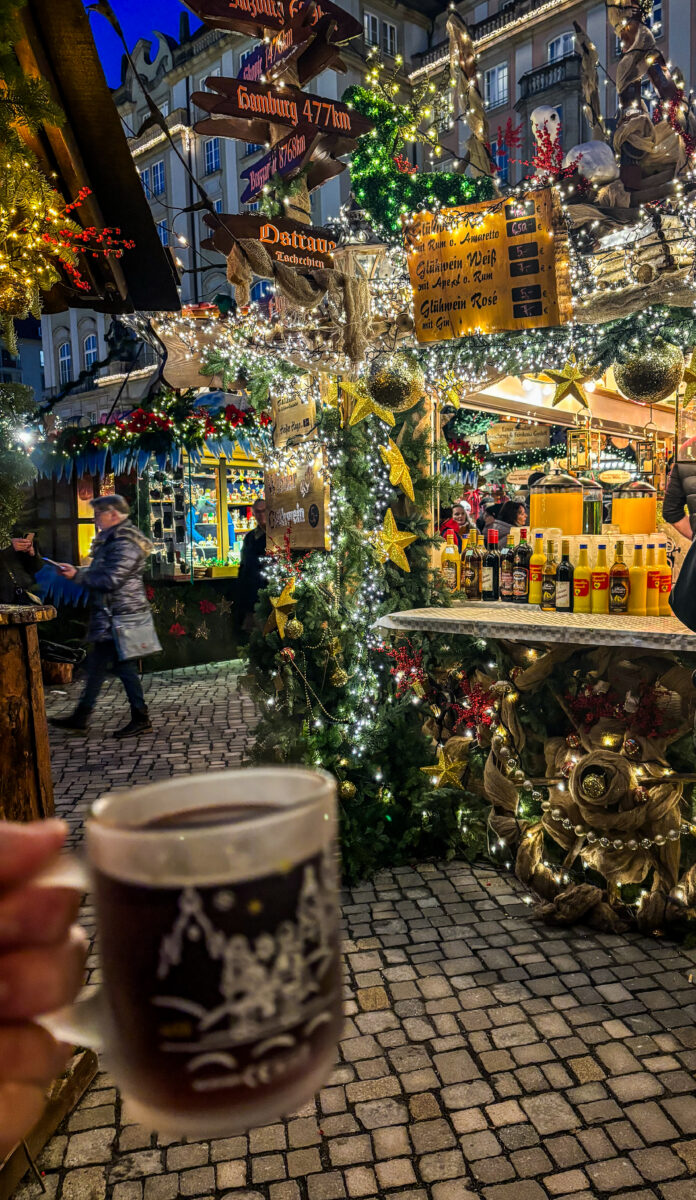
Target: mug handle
81,1023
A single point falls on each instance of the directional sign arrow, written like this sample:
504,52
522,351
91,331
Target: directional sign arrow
252,17
286,159
261,104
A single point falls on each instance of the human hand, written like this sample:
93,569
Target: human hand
68,570
23,545
42,958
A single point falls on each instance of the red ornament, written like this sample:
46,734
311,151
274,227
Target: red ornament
207,606
287,653
177,630
150,593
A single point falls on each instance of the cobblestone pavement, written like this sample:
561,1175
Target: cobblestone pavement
483,1055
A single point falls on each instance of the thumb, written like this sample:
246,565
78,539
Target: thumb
27,849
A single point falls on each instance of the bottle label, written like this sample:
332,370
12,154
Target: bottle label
486,579
535,572
548,592
581,587
470,577
654,580
563,594
520,583
618,595
449,574
665,585
506,581
600,581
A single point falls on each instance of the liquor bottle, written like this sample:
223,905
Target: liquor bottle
665,581
652,602
599,582
564,581
472,570
520,570
507,559
619,583
536,563
449,563
548,580
582,601
490,569
637,585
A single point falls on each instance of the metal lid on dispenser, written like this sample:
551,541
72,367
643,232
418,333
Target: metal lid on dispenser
636,489
555,481
591,489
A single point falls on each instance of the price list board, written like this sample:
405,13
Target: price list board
485,268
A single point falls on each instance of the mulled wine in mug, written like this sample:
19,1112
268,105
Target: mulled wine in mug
217,910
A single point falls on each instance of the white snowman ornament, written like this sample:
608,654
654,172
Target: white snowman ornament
595,161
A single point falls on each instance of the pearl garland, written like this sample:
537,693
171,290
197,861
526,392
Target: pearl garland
603,841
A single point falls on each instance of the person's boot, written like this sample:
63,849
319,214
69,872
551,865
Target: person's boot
79,719
139,723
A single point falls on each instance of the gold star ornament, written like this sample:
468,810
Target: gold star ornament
446,772
281,609
690,381
390,544
399,474
568,383
364,405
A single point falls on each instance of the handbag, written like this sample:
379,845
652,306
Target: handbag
135,635
682,600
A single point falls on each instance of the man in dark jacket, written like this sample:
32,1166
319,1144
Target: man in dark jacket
681,493
115,582
251,574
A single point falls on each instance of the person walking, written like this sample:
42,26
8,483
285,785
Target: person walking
114,579
251,576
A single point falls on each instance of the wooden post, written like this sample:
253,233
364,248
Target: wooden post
26,790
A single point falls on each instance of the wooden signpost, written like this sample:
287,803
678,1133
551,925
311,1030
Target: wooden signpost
502,266
298,500
286,159
258,105
252,17
304,247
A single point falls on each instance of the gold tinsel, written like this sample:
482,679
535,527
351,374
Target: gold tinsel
339,677
396,382
651,374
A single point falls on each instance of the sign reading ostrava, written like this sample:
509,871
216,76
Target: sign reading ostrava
289,242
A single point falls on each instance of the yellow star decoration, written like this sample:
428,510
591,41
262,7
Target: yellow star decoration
568,383
364,404
399,474
446,772
390,544
690,381
282,609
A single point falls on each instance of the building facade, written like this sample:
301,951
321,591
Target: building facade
527,58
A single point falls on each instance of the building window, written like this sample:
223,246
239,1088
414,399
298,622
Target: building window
158,178
561,47
371,28
217,204
213,71
260,291
245,56
252,207
653,21
145,177
212,155
495,86
389,38
65,363
252,147
164,108
499,155
163,232
90,348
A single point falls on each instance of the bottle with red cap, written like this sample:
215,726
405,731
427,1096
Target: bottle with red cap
490,569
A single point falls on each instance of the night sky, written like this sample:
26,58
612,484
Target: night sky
139,18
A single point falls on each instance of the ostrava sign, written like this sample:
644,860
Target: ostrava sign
301,246
288,157
252,17
261,104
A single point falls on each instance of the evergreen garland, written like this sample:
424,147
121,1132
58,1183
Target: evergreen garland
16,469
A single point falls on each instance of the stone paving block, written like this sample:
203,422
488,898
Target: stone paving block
86,1183
641,1086
226,1148
613,1174
651,1122
136,1165
424,1106
550,1113
456,1067
372,998
134,1137
492,1170
480,1145
128,1191
287,1190
432,1135
658,1163
532,1161
522,1189
396,1173
162,1187
446,1164
197,1182
390,1143
348,1150
268,1137
328,1185
267,1167
376,1114
179,1157
91,1146
568,1182
507,1113
303,1162
452,1189
232,1174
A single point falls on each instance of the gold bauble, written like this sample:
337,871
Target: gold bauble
14,298
651,374
594,785
346,789
396,381
339,677
294,628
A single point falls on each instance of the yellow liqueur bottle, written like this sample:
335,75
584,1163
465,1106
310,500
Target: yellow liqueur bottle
449,563
599,582
581,582
638,585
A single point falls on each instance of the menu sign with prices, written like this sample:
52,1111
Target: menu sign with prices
294,415
297,501
489,267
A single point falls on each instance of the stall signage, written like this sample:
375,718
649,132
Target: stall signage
499,266
303,246
247,100
614,478
294,415
297,500
251,16
285,159
507,437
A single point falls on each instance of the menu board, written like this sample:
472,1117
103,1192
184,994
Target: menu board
502,265
507,437
294,414
297,500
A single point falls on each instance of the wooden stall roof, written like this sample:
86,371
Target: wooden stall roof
90,150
